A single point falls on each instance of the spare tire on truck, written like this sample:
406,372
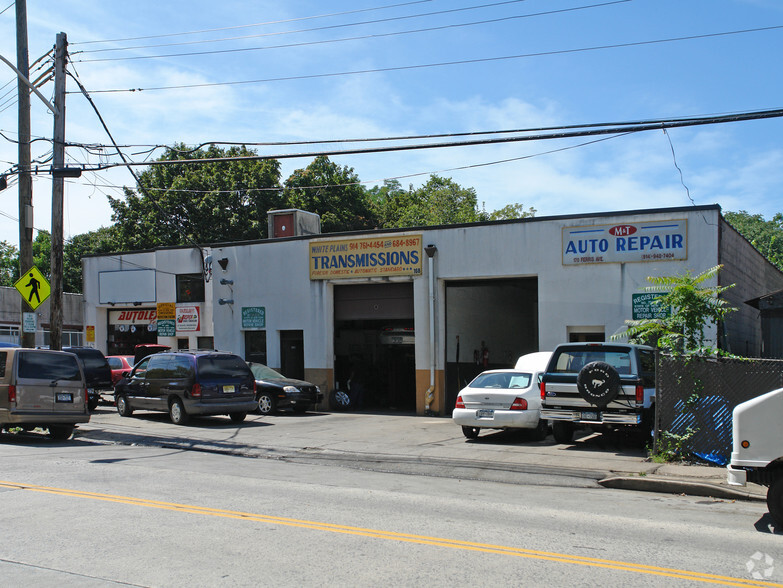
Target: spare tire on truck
598,383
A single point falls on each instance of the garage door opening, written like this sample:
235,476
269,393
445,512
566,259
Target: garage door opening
489,324
374,344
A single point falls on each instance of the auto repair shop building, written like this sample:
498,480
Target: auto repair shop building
404,312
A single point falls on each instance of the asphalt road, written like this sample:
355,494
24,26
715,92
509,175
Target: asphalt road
99,513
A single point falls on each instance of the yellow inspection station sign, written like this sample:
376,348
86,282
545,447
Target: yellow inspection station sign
33,287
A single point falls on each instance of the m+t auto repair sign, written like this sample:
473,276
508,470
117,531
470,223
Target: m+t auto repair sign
626,243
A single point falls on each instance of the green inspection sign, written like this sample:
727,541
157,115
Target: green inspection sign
167,328
645,307
253,317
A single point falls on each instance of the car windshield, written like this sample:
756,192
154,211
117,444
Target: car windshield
573,360
221,366
502,380
262,372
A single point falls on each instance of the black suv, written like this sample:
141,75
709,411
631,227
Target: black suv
188,383
598,385
97,373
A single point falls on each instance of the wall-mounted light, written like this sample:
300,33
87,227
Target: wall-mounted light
430,250
225,282
223,263
137,304
222,301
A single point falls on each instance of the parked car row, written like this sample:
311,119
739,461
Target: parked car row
56,390
207,383
579,385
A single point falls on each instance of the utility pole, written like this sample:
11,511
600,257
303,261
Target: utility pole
25,186
58,163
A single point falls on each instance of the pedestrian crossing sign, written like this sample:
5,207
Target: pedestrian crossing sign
33,287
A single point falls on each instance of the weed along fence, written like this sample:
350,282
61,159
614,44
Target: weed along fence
696,397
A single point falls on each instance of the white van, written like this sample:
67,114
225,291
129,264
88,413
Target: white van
42,388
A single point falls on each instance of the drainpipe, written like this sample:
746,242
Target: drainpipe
430,250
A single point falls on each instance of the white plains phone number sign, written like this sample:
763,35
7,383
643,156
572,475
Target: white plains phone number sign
626,243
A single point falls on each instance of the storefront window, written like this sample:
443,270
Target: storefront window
190,288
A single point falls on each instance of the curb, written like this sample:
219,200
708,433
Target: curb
676,486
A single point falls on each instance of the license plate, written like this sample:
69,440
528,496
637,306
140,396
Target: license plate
589,416
485,413
228,389
64,397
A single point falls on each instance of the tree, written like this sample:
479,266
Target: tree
693,307
333,192
764,235
42,253
440,201
206,202
511,211
103,240
9,264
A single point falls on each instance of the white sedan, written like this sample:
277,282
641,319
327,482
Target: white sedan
504,399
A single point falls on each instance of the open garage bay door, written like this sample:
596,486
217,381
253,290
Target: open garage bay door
374,345
489,324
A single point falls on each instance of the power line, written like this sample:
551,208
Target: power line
326,41
656,125
378,181
446,63
258,24
98,147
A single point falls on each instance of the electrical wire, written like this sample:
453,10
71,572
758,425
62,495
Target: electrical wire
757,115
444,63
258,24
152,147
326,41
177,227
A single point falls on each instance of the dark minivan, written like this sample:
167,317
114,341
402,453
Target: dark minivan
188,383
97,372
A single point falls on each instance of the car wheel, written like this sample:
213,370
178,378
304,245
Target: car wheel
775,499
339,400
471,432
60,432
598,383
563,431
541,430
237,417
92,403
266,403
177,412
123,408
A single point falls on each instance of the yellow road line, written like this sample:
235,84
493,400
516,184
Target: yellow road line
403,537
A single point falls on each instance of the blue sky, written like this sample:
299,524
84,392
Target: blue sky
737,165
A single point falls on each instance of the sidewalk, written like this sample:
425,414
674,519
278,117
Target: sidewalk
429,445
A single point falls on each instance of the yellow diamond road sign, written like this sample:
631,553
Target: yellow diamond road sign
33,287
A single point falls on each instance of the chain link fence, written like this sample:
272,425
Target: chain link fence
696,396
